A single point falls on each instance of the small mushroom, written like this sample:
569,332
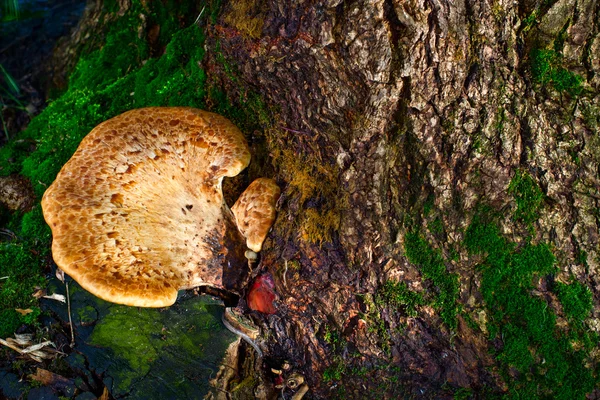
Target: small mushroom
254,211
138,212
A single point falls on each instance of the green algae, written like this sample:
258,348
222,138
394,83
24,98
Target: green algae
159,349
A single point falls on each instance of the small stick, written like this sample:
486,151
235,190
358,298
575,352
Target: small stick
4,277
301,392
15,348
285,272
69,311
293,130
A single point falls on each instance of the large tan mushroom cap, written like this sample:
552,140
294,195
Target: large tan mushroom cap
138,212
255,211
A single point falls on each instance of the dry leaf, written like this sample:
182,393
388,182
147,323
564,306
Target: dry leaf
23,312
46,378
105,394
32,351
56,296
37,347
39,293
23,339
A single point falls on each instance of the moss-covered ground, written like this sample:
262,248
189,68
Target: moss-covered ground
126,70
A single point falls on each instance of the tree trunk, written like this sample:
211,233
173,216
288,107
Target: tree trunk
438,228
395,125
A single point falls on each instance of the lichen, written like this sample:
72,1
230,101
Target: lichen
247,17
152,343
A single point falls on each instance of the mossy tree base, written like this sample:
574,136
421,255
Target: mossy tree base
395,123
438,229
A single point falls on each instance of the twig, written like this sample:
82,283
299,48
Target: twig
285,272
69,311
199,15
15,348
293,130
8,233
4,277
301,392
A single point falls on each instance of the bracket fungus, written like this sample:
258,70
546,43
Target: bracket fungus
138,212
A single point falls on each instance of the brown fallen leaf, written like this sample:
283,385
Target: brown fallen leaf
39,293
24,312
105,395
48,378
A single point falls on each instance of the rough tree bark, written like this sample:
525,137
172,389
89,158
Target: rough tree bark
382,105
387,117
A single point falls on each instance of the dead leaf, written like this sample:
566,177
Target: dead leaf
23,312
56,296
36,347
36,352
47,378
105,394
23,339
39,293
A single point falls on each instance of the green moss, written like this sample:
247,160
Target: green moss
436,226
9,322
176,78
528,197
35,228
117,76
428,205
537,359
21,274
547,69
431,264
335,371
576,300
463,394
398,295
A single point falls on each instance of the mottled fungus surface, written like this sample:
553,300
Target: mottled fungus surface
138,212
255,212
